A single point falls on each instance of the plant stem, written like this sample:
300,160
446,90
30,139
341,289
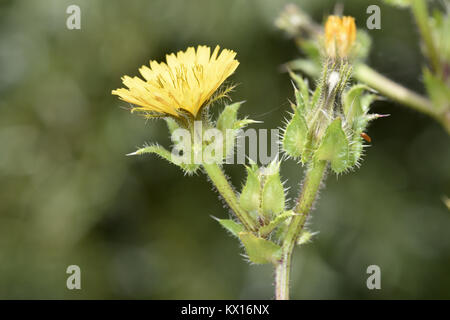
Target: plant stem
393,90
420,11
220,181
306,199
399,93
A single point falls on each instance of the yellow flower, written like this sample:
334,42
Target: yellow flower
340,34
183,84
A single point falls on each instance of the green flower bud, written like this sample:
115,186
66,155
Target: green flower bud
250,198
273,191
298,136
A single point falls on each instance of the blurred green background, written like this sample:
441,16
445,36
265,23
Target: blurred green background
138,227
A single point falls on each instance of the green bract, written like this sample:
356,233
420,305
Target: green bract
228,124
324,130
200,140
250,199
260,250
334,147
272,200
263,193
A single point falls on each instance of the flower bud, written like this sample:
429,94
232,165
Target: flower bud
250,198
340,35
272,192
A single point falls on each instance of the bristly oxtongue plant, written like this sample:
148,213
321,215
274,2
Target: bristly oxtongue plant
325,133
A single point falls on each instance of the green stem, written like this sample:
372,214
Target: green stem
393,90
220,181
399,93
420,11
306,199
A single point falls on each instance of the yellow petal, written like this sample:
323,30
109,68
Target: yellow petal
186,81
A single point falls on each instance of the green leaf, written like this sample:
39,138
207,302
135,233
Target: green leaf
273,191
259,250
232,226
189,168
334,147
251,192
295,136
267,229
301,92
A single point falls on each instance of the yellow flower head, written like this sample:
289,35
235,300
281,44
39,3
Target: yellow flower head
340,34
183,84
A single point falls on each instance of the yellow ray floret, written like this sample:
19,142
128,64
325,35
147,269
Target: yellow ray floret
340,34
183,83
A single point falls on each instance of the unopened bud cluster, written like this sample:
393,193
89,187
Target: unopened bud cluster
263,198
329,123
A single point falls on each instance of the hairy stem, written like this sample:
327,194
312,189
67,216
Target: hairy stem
399,93
392,89
306,199
220,181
